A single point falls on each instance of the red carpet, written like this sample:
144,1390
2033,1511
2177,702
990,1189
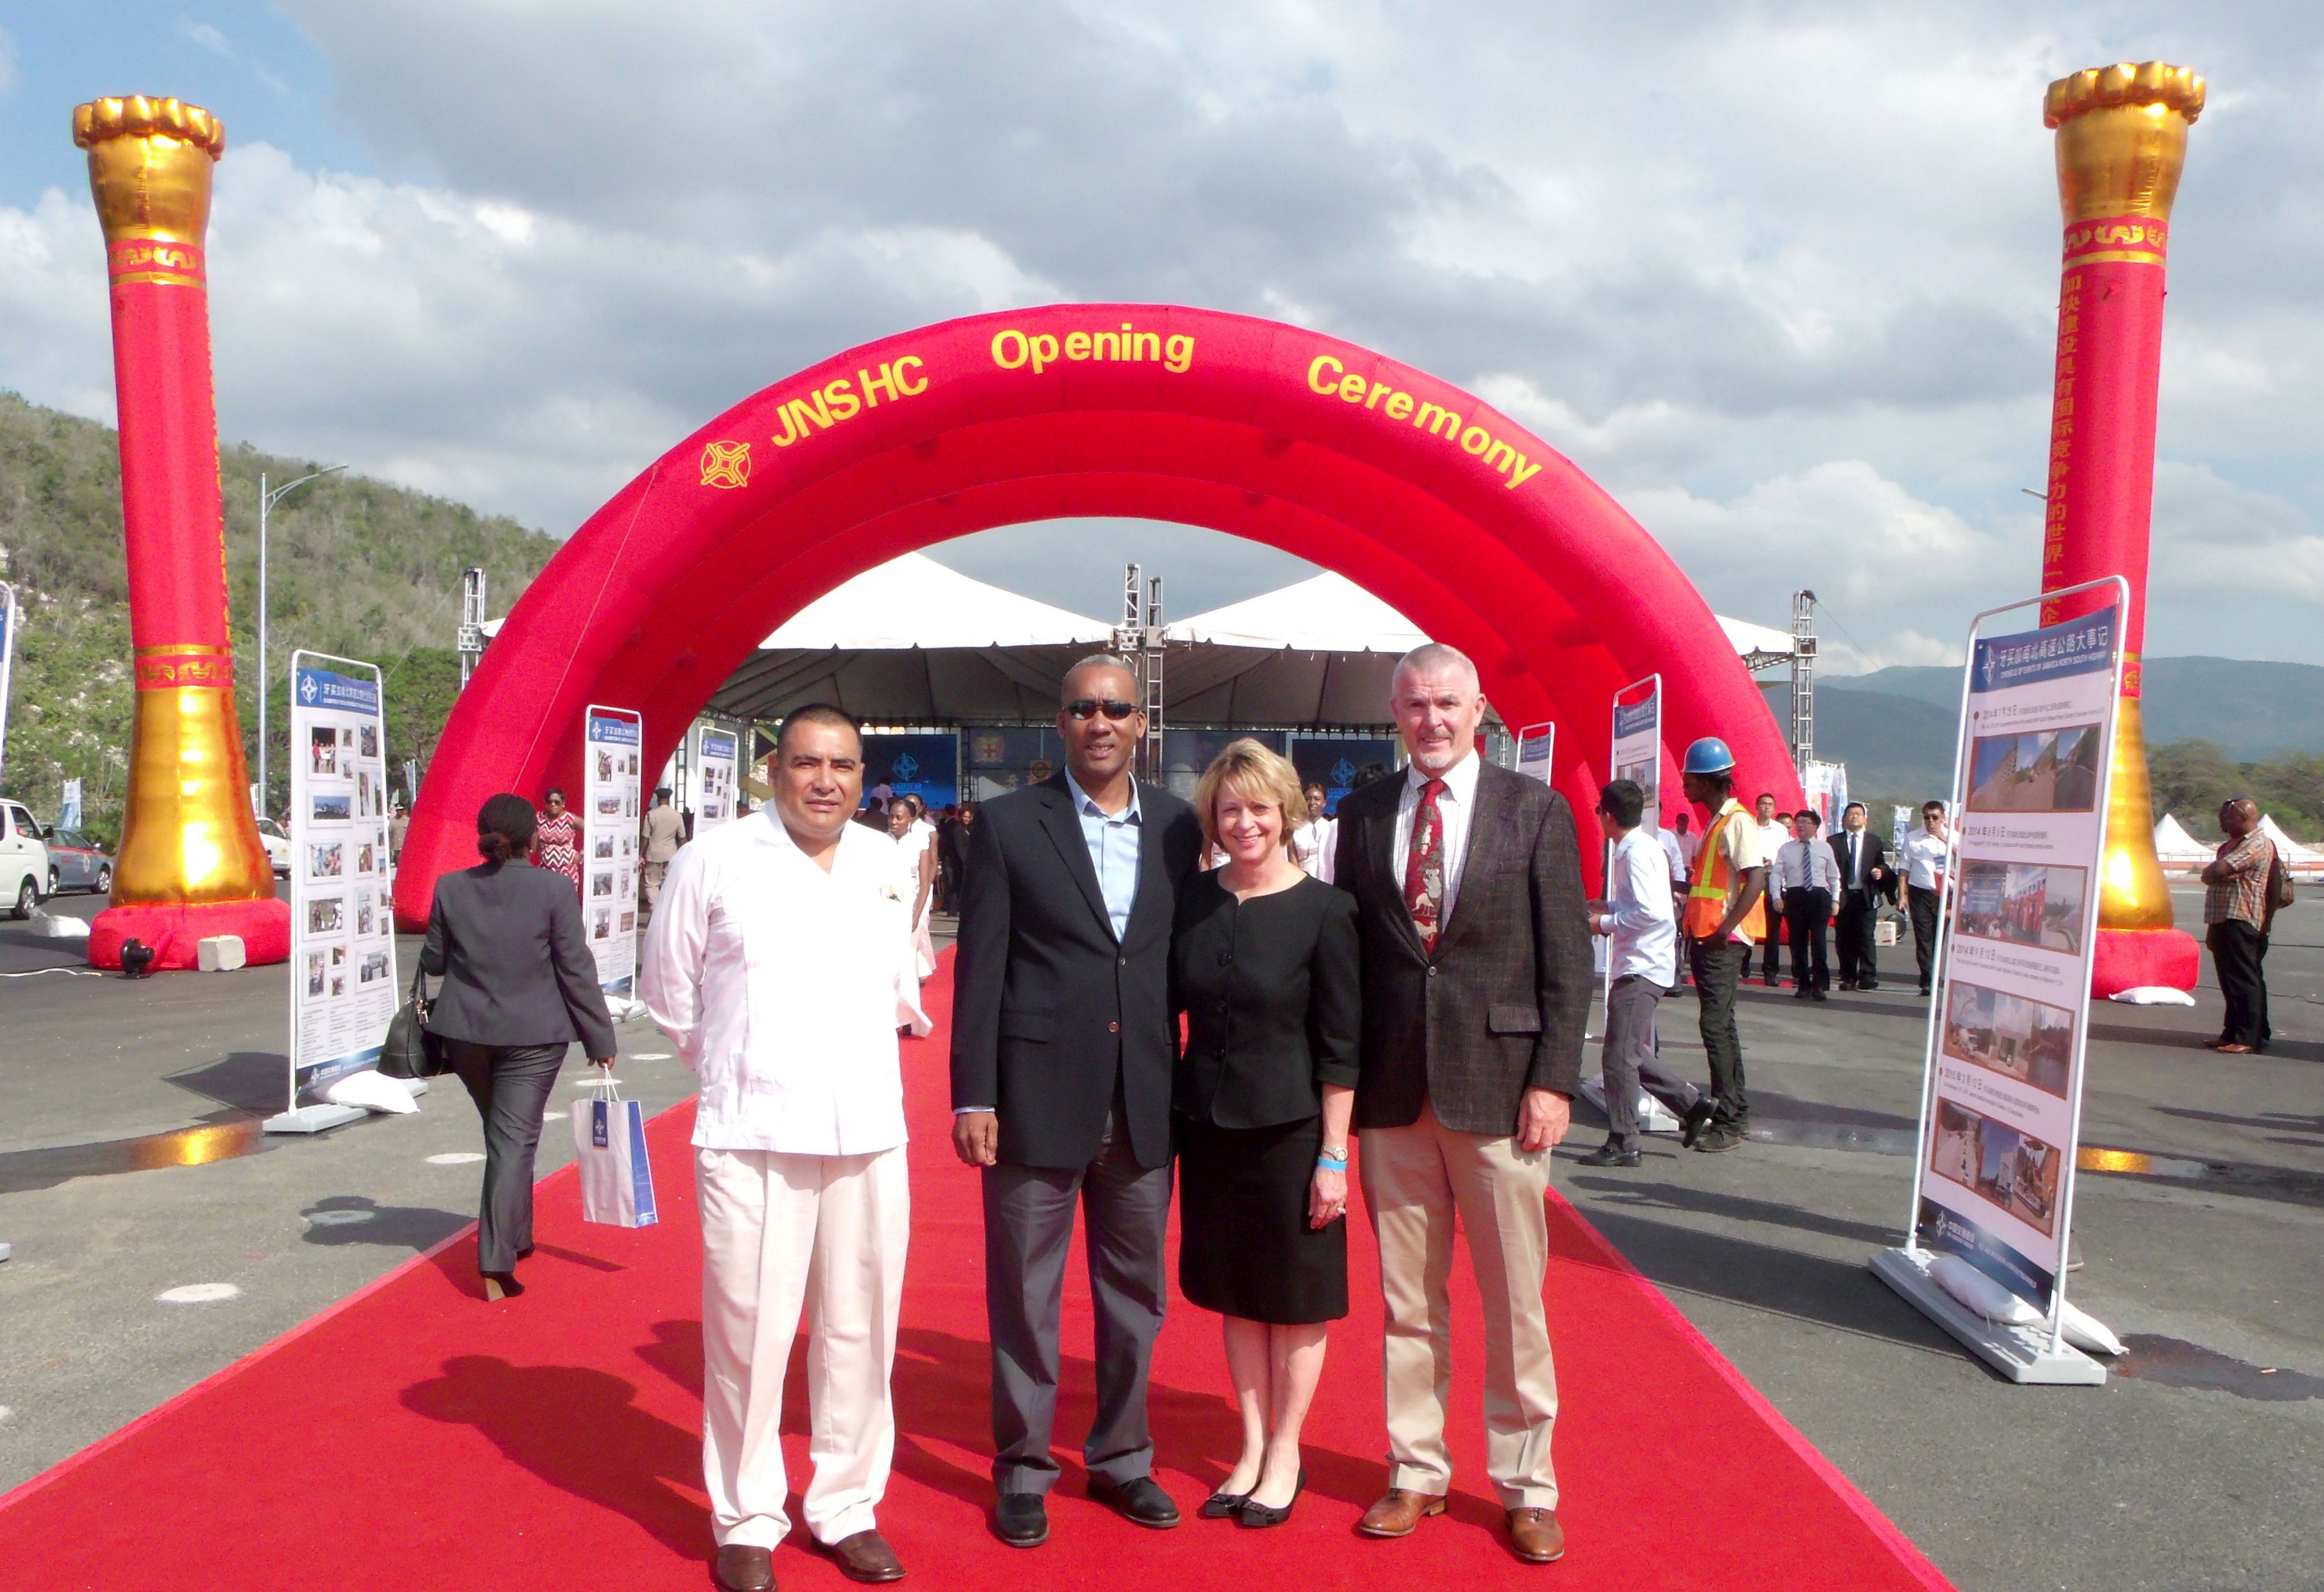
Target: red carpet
414,1437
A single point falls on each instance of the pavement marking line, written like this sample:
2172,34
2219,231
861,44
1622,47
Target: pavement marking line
198,1293
339,1219
455,1158
552,1116
649,1056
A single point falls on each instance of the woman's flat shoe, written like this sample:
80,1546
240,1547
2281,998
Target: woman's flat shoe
500,1285
1258,1517
1222,1505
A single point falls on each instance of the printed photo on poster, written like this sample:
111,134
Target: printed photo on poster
2043,771
601,884
367,858
318,973
375,967
2009,1169
601,848
326,859
369,742
600,924
365,915
2024,904
2018,1039
331,808
325,915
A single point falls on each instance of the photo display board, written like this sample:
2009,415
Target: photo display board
343,983
714,758
1637,750
612,752
7,660
1536,745
2002,1103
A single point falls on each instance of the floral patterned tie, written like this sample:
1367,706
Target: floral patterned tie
1423,867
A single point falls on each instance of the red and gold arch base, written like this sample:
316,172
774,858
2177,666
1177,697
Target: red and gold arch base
1425,495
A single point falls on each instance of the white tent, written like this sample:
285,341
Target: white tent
2176,848
2296,857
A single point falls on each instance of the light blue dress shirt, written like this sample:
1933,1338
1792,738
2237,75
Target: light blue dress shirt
1113,840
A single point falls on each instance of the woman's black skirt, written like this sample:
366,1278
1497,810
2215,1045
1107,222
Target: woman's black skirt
1244,1246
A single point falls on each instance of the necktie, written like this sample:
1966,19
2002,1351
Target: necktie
1424,866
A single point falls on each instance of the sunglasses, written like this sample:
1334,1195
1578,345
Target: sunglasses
1088,707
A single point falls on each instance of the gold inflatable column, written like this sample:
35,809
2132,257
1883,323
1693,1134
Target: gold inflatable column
191,862
2121,141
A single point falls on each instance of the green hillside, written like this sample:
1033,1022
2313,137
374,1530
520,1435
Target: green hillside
355,568
2215,728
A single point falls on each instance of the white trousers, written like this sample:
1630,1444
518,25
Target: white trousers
779,1233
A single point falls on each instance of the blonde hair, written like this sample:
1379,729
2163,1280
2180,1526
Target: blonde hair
1255,769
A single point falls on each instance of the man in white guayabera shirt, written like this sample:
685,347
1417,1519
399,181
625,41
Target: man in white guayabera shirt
779,965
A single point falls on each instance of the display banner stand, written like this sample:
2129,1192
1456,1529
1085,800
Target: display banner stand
717,750
8,623
343,991
612,748
2001,1090
1636,753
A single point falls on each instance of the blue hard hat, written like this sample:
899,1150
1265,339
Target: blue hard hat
1707,755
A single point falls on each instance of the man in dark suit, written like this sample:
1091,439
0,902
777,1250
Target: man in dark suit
1063,1050
1866,880
1476,986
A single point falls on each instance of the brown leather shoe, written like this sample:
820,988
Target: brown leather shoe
1535,1537
1399,1513
745,1569
866,1557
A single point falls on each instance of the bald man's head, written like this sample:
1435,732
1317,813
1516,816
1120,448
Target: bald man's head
2239,817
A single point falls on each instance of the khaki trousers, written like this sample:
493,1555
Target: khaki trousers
1416,1182
654,873
779,1233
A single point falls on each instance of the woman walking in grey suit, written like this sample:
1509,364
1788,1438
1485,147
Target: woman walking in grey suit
520,985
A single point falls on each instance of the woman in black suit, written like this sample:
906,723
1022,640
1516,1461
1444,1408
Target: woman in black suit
520,985
1264,962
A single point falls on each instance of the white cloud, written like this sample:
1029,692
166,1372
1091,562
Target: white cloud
204,35
1782,279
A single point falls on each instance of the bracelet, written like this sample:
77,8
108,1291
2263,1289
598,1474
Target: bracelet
1326,1164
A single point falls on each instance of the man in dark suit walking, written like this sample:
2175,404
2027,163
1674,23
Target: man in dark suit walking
1476,985
1062,1055
1864,881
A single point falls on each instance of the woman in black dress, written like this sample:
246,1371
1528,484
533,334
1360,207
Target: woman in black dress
1264,964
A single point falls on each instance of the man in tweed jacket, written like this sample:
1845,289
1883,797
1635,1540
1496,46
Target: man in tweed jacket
1476,981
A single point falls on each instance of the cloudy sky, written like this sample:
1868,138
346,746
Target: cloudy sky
1782,277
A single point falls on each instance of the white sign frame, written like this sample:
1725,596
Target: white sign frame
338,1015
612,752
2054,1361
716,790
1648,740
12,620
1536,749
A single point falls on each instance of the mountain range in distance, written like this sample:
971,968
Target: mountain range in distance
1896,728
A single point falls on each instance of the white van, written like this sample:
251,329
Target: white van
23,860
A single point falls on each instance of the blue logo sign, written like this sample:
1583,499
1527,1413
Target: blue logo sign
1343,773
2078,647
599,1134
905,769
324,688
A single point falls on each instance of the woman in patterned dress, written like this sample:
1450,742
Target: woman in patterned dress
556,842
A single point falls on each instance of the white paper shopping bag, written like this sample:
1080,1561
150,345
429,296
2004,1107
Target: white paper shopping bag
609,1139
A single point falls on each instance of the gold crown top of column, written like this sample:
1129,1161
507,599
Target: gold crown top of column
133,115
2150,82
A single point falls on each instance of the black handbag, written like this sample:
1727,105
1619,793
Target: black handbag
409,1050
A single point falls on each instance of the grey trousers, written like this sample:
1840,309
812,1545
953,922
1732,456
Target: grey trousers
1630,1062
511,1084
1028,1226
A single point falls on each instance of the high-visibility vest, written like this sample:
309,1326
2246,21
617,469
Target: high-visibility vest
1706,896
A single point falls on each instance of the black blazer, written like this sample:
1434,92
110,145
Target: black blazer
507,940
1876,855
1501,1006
1048,1011
1271,990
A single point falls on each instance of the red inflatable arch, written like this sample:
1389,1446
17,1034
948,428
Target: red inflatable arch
1451,512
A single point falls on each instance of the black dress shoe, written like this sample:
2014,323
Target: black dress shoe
1139,1501
1698,1118
1611,1153
1867,983
1021,1519
745,1569
1818,995
1718,1141
1257,1516
1222,1505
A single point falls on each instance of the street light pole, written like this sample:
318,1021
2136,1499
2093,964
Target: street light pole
266,501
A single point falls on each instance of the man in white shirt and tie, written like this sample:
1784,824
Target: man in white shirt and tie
1774,833
1641,921
779,965
1808,872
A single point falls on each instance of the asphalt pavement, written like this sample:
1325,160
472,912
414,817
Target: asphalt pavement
130,1166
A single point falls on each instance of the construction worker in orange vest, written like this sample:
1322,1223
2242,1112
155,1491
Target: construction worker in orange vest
1725,916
